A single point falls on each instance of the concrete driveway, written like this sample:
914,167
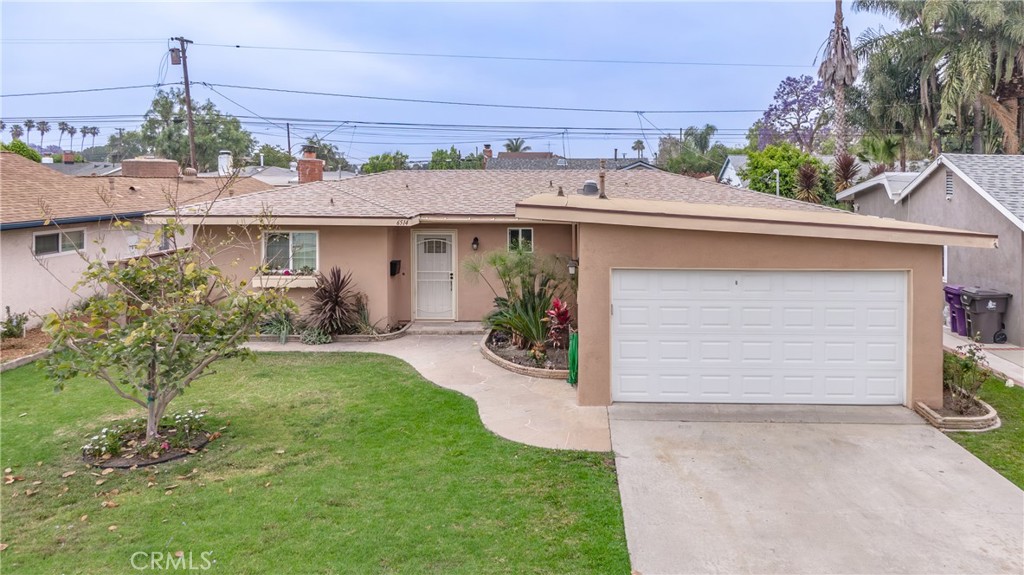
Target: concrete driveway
772,489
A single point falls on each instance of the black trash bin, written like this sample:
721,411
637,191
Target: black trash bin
985,309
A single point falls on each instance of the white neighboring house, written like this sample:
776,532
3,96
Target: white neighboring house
49,221
729,172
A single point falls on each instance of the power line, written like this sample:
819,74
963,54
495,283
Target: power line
508,58
84,90
474,104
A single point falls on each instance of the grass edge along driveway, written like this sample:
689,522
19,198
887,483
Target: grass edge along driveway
329,463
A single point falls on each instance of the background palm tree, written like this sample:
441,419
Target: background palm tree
638,146
63,127
85,132
838,71
16,132
71,136
3,126
93,131
516,145
29,124
43,127
699,138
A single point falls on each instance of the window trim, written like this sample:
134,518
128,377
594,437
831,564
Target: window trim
263,243
61,234
508,237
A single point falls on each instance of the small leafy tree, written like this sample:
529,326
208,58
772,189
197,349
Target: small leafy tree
452,159
800,114
22,149
160,323
385,162
272,156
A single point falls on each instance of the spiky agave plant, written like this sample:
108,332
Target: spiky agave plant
807,184
335,304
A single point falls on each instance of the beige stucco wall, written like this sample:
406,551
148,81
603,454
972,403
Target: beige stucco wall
367,251
604,247
39,286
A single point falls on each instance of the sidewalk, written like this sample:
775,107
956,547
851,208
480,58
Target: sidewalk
1007,360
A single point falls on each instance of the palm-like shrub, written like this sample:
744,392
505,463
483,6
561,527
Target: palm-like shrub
807,184
335,307
559,320
845,170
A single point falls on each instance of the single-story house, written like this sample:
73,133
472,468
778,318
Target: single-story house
688,291
48,220
979,192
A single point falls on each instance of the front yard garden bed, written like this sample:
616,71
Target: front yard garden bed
330,462
498,348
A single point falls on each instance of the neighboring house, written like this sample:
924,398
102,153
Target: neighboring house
978,192
48,220
549,161
277,177
729,174
867,199
688,291
86,168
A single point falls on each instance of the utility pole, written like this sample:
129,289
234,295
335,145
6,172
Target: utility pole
288,128
188,99
120,144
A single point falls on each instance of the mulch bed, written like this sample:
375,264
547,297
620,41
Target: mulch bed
947,410
557,358
133,460
12,348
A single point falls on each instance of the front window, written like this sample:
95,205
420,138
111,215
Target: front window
58,242
294,251
520,237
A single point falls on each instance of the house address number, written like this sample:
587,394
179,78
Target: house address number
402,222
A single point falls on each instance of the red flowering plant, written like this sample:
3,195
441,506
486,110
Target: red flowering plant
559,320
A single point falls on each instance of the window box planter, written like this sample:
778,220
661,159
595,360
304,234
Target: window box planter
282,281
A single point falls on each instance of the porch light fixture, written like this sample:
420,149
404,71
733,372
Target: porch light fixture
573,264
476,244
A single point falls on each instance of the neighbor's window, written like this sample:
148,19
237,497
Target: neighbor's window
57,242
290,250
520,237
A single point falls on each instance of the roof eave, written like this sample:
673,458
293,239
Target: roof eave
753,225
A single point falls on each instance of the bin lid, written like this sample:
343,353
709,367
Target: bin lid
984,293
952,289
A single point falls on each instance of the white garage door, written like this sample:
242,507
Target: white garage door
758,336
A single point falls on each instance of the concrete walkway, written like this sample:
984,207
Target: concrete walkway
850,490
1005,359
539,412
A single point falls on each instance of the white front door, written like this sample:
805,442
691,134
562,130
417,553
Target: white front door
827,337
435,276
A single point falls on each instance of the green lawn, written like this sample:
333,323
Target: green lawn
1002,449
381,472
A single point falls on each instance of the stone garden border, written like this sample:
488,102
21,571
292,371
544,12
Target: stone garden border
975,424
356,338
562,374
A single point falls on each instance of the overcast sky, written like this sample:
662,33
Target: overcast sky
780,38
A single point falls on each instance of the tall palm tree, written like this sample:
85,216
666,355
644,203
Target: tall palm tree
16,132
3,126
29,124
85,132
71,136
94,131
43,127
699,138
516,145
638,147
838,71
63,127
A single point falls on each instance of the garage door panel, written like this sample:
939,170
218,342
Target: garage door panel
784,337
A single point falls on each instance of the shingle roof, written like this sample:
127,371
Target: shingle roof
86,168
30,192
892,182
513,163
411,193
1002,177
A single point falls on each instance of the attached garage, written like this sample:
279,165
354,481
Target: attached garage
748,336
775,301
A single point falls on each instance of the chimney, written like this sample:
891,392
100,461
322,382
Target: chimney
149,168
488,154
616,154
600,186
310,168
225,163
69,157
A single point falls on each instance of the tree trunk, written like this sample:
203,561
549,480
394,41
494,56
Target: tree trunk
903,152
840,121
977,144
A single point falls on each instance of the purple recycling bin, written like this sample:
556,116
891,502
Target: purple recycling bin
957,315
